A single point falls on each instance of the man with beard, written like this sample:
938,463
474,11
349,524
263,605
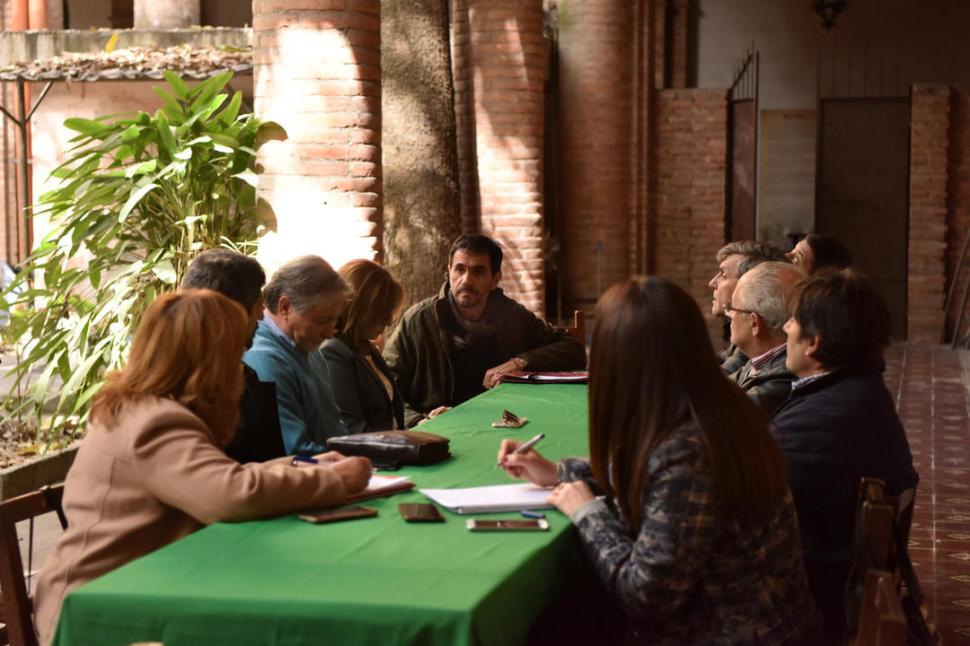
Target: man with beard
453,346
258,436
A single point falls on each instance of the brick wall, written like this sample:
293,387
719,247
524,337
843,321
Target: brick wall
317,73
927,211
500,68
688,189
596,140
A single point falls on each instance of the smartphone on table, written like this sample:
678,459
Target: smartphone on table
512,525
420,512
334,515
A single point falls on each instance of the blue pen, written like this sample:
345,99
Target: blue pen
536,515
305,458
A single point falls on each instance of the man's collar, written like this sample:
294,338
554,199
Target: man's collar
275,330
765,358
811,379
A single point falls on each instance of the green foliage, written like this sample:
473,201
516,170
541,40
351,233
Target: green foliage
137,199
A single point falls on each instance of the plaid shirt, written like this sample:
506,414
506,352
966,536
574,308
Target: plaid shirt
689,577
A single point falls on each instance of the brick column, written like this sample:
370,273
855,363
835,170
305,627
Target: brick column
504,56
929,135
688,192
958,202
597,135
317,73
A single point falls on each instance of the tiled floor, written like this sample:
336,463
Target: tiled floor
931,390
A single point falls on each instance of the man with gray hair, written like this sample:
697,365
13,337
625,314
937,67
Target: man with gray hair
734,260
303,300
758,311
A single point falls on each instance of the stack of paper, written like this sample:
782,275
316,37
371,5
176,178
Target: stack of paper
521,377
381,486
482,500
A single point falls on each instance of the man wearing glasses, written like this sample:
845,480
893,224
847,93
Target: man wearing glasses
758,311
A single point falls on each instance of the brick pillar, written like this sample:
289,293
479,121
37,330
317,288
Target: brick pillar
317,73
927,211
501,88
958,203
464,98
688,192
597,196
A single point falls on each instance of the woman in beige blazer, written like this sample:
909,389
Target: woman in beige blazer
152,470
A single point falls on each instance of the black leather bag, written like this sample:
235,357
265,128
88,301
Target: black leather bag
393,448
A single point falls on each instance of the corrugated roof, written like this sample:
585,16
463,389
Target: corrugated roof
135,63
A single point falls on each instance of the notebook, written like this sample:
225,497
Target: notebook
483,500
382,486
522,377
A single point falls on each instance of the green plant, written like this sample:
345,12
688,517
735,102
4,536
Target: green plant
137,199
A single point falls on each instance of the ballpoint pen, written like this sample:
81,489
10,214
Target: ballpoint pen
527,446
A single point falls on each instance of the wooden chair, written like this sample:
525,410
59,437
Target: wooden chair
882,621
16,604
578,329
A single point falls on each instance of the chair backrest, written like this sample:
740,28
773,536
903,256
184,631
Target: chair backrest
882,621
16,603
578,329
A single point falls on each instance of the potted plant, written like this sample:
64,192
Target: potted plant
138,197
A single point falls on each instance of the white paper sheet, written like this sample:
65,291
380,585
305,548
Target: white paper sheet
481,500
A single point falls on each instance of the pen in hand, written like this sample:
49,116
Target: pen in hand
527,446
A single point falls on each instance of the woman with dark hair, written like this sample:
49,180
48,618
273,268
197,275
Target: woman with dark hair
816,252
152,467
699,542
362,383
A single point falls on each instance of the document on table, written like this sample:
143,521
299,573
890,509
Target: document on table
483,500
381,486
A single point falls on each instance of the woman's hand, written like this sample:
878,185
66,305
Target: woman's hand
355,472
530,465
570,496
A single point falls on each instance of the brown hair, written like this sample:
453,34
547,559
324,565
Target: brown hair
652,368
377,298
847,314
188,347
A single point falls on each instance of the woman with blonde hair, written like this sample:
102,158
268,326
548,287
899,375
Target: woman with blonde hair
152,467
696,537
362,383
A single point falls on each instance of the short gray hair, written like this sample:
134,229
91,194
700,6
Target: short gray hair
753,254
306,282
767,290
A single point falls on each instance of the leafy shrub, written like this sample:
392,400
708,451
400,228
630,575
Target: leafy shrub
137,199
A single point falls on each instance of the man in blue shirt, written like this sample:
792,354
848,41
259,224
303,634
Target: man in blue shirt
303,300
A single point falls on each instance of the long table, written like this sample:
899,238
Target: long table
372,581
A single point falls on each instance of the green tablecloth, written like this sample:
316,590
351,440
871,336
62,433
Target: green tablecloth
372,581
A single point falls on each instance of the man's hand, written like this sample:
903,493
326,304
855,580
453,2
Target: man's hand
570,496
438,411
494,376
355,472
529,465
329,456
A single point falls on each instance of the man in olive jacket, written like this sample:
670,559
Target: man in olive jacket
453,346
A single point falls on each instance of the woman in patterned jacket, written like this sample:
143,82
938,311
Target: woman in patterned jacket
696,537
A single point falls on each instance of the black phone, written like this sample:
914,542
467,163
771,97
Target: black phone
420,512
334,515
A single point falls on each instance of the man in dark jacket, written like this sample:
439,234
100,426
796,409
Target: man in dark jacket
453,346
839,424
258,437
758,311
